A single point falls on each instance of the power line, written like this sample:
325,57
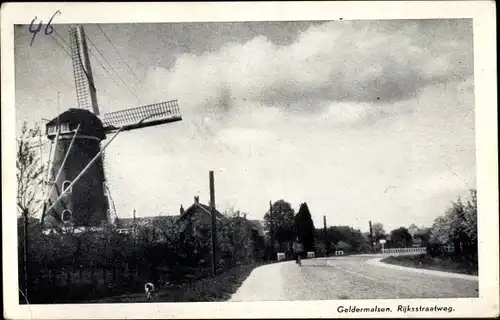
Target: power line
118,52
98,61
111,67
64,48
62,39
67,52
91,81
60,45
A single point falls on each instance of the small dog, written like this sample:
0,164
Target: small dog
149,289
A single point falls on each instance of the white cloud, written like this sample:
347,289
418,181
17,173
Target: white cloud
337,61
349,112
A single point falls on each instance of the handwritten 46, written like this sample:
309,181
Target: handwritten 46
48,31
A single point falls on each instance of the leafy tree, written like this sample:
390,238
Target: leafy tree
458,227
304,227
358,242
424,235
338,236
282,221
334,234
470,222
401,238
378,231
235,238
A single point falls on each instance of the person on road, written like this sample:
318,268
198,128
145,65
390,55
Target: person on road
149,289
297,249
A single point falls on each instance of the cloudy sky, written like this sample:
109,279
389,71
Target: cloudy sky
363,120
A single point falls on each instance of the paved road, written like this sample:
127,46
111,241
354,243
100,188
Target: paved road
352,277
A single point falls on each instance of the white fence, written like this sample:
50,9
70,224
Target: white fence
339,253
310,254
405,250
281,256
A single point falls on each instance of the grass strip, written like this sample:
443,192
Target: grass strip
439,263
210,289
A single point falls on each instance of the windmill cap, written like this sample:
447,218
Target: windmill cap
89,123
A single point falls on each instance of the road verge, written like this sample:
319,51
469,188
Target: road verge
219,288
382,262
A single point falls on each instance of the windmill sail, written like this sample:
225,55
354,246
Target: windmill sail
141,117
89,202
84,81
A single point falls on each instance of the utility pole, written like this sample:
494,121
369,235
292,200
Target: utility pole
214,223
371,236
326,236
272,229
25,231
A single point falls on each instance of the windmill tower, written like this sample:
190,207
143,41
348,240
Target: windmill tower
78,194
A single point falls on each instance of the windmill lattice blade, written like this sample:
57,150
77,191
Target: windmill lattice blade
145,116
84,81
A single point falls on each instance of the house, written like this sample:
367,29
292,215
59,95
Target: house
413,229
418,235
199,214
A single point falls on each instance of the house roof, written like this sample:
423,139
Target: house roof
201,206
122,223
125,222
255,224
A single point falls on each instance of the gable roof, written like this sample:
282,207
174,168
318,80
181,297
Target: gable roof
201,206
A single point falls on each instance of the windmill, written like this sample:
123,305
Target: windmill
77,192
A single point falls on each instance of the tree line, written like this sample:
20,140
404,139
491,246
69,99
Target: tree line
283,226
454,233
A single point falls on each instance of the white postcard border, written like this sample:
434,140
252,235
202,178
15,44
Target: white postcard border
483,15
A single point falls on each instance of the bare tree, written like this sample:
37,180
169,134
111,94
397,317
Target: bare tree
29,172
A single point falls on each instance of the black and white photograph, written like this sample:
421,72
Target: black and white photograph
233,161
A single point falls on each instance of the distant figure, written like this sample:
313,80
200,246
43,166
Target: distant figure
149,288
297,250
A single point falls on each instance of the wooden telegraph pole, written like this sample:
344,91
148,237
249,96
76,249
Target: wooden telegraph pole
25,254
371,236
326,236
272,229
214,224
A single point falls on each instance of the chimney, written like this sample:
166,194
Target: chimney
196,199
182,210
